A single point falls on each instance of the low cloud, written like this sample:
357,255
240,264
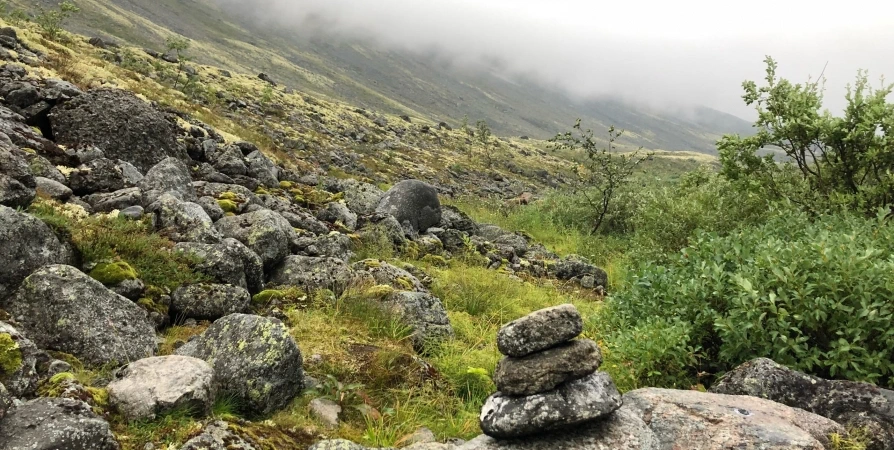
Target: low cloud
664,54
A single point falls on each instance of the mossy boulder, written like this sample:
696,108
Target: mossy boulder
312,273
60,308
10,355
381,272
112,273
26,244
18,361
254,358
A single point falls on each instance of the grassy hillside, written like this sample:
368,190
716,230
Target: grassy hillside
424,86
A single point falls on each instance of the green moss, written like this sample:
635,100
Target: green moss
229,206
228,196
113,273
10,354
285,184
289,295
262,191
372,263
379,291
150,305
435,260
55,386
405,283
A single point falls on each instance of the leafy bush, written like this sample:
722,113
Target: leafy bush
50,21
813,295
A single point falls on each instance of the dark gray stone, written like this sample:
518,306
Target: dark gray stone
413,203
26,244
540,330
544,371
98,175
51,189
170,176
120,199
55,424
265,232
209,301
338,212
183,221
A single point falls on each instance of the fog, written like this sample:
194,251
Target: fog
665,54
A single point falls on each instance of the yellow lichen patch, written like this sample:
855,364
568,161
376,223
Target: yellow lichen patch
10,354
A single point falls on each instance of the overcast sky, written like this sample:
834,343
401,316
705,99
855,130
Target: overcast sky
667,53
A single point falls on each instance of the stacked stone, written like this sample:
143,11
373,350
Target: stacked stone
548,380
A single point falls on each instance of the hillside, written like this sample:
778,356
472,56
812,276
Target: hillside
360,73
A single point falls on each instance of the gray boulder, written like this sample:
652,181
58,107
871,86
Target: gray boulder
150,387
312,273
42,167
544,371
170,176
262,168
413,203
254,358
52,189
182,221
338,212
265,232
454,219
211,207
55,424
425,314
540,330
304,220
132,175
26,244
334,245
19,370
110,201
576,267
119,123
209,301
228,262
98,175
703,421
16,181
853,404
228,160
361,198
6,401
380,272
576,402
15,194
60,308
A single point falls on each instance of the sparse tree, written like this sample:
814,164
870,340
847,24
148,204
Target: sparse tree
605,170
50,21
178,45
488,146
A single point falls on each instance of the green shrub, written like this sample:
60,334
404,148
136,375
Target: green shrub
50,21
811,294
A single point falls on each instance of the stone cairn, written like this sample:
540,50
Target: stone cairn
548,380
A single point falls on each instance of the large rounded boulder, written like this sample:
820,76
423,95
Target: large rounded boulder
122,125
265,232
60,308
254,359
413,203
26,244
18,362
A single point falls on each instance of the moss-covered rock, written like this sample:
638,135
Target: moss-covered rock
112,273
10,355
18,362
228,206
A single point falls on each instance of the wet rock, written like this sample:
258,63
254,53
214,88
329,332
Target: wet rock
573,403
254,359
119,123
312,273
60,308
154,386
544,371
26,244
540,330
849,403
209,301
55,423
413,203
265,232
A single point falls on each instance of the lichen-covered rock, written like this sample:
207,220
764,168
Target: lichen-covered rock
853,404
703,421
544,371
16,181
239,195
55,424
516,242
304,220
361,198
42,167
265,232
228,160
6,401
335,245
26,244
52,189
211,207
254,359
262,168
576,402
454,219
218,436
119,123
109,201
312,273
226,262
15,194
620,430
540,330
577,267
60,308
182,221
337,444
413,203
153,386
98,175
425,314
337,212
380,272
18,362
209,301
170,176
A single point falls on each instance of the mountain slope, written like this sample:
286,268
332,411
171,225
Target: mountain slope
426,86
